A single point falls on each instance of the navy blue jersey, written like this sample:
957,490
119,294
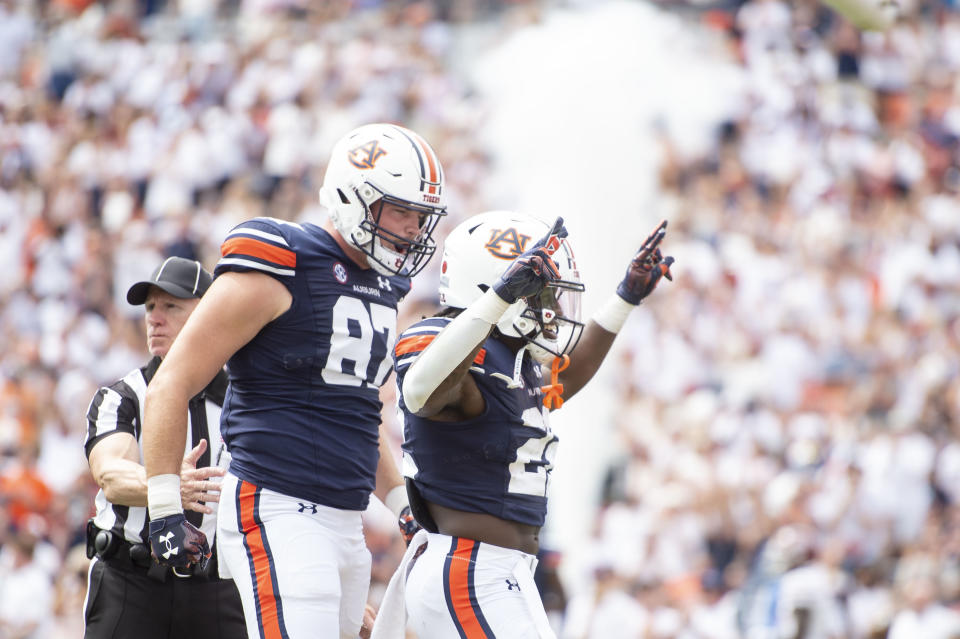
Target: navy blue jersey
302,411
498,463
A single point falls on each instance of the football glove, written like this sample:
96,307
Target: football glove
176,542
646,268
408,525
533,269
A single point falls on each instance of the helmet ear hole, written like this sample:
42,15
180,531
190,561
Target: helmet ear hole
360,236
524,325
343,196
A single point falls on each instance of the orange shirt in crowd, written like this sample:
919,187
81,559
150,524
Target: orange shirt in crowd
23,493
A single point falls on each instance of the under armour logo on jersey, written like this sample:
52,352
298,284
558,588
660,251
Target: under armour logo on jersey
366,155
303,508
507,243
171,549
383,282
512,584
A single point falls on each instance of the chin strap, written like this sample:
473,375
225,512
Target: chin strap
518,367
553,392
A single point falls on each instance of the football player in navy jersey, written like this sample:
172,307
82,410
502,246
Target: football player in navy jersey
304,316
478,447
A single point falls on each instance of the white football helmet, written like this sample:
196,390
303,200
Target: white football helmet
384,163
480,249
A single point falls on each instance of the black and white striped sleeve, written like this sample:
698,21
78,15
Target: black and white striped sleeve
114,409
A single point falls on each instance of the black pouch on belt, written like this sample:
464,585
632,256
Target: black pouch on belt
101,543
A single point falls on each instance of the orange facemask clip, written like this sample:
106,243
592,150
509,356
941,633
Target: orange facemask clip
553,392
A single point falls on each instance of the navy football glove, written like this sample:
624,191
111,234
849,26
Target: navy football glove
533,269
176,542
646,268
408,525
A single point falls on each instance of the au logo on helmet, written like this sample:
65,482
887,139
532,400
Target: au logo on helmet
506,243
366,155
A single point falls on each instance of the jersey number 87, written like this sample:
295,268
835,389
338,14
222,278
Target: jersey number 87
351,351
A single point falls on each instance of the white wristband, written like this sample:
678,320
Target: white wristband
396,500
163,496
613,314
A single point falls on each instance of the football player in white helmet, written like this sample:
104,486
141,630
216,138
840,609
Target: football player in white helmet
478,447
306,316
474,256
378,172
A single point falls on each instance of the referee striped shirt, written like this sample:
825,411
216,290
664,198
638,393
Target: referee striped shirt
118,408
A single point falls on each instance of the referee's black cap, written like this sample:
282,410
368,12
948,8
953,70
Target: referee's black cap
178,276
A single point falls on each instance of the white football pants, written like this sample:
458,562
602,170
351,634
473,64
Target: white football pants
459,587
302,569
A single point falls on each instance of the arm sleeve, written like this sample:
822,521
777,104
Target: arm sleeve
414,341
449,347
410,344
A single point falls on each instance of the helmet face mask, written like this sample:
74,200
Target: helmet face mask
377,165
478,251
556,314
398,254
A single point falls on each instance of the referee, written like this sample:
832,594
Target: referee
128,594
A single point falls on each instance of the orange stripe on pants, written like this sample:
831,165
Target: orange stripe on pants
459,580
266,597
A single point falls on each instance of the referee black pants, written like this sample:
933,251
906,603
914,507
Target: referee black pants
126,603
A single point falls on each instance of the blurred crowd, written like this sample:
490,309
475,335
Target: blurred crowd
790,407
788,404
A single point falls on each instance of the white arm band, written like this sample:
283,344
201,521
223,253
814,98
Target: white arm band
450,347
613,314
163,496
396,500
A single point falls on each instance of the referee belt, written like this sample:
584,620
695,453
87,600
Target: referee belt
122,555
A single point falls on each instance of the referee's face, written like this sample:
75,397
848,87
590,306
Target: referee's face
165,316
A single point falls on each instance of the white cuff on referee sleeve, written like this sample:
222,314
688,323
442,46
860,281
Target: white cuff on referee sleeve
613,314
163,496
450,347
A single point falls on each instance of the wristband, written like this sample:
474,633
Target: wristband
396,500
163,496
613,314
